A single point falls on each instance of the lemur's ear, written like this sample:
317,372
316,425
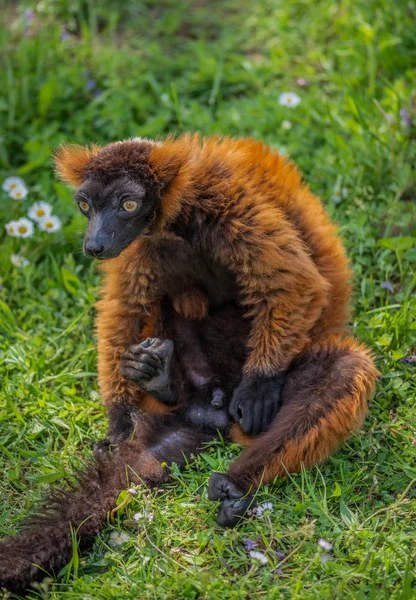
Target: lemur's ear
165,163
70,161
171,161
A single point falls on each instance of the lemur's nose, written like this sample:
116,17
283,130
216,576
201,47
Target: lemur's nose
93,248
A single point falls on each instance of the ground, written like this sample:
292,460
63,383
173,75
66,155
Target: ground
74,71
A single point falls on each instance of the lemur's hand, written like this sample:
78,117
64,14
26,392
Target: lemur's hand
148,365
256,401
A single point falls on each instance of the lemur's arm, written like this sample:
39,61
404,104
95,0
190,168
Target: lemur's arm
128,314
284,295
120,324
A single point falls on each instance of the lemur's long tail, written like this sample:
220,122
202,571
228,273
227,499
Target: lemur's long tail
46,543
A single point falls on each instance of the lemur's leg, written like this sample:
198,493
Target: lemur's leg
46,544
149,365
324,399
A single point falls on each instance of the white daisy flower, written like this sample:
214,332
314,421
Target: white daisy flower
118,538
259,556
11,228
289,99
40,210
19,261
12,183
339,194
50,224
23,227
19,192
262,507
139,516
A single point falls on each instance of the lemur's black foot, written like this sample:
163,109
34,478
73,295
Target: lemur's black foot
234,502
148,365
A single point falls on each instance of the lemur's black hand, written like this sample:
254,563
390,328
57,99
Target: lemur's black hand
256,401
148,365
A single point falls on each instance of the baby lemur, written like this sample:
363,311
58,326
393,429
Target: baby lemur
224,308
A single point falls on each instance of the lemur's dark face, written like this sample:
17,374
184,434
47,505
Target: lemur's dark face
118,211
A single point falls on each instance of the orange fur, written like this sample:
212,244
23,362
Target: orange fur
70,161
350,381
271,233
192,304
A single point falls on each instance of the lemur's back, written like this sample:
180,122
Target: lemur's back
249,173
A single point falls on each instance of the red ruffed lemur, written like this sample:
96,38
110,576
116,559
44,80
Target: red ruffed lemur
224,309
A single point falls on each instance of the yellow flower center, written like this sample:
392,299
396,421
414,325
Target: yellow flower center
289,100
49,224
11,229
22,229
40,212
13,185
18,194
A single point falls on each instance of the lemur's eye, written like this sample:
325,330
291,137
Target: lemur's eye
84,206
130,205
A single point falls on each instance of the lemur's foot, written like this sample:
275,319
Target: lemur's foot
234,502
148,365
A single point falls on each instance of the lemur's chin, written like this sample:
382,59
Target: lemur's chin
103,255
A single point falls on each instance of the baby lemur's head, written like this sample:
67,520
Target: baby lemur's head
119,189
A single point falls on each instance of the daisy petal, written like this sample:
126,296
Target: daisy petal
259,556
10,183
289,99
118,538
18,192
50,224
39,211
23,228
11,228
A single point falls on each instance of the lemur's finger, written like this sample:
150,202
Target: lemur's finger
268,413
142,359
258,413
137,376
246,420
140,367
147,342
137,349
162,348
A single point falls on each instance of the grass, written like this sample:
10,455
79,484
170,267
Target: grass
170,67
